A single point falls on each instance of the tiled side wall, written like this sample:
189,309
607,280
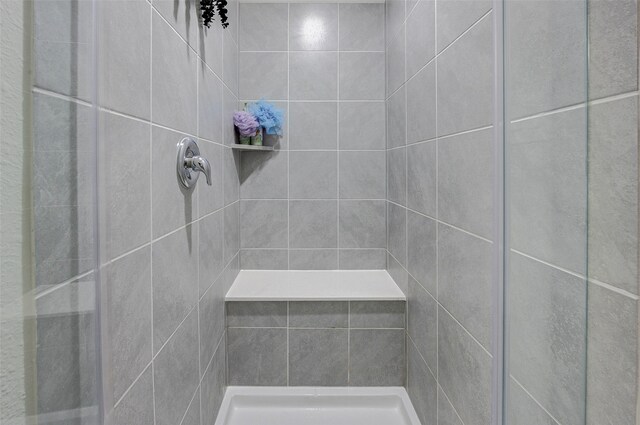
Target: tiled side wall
167,255
440,155
316,343
317,202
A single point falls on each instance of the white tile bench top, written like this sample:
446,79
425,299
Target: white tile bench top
314,285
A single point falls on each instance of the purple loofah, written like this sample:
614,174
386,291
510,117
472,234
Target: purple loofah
246,123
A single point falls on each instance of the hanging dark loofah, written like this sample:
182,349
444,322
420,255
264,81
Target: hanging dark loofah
209,9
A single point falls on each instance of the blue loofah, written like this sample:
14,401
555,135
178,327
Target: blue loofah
269,117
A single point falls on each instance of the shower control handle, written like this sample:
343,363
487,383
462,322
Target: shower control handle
190,164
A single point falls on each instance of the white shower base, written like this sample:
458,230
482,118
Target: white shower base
316,406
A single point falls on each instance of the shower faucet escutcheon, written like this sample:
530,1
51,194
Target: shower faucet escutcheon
191,164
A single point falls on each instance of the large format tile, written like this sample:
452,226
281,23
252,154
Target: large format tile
397,232
422,387
362,76
465,181
422,323
521,409
129,206
362,224
547,55
313,175
397,119
259,314
465,80
394,16
313,224
548,220
362,27
377,357
421,36
362,175
613,193
174,82
313,259
264,175
211,250
213,385
303,125
192,416
210,105
257,356
175,282
264,259
263,75
464,371
397,273
211,312
182,15
231,62
125,79
231,231
175,371
313,76
377,314
454,17
422,178
319,314
395,63
211,198
612,366
421,105
397,175
128,303
210,47
447,414
422,250
263,26
362,125
313,26
548,327
264,224
362,259
318,357
137,406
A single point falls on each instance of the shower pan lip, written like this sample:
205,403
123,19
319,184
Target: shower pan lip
243,405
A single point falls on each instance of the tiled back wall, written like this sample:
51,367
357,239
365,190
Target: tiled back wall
318,201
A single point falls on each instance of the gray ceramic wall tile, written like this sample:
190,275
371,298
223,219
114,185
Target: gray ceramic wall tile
211,198
61,125
63,21
613,193
231,231
121,89
362,175
362,27
173,205
548,56
62,178
264,259
263,75
422,322
303,125
213,385
422,387
182,15
211,312
313,26
464,371
362,76
231,165
129,208
230,74
259,314
210,105
263,175
397,273
612,352
313,76
447,414
395,63
465,181
362,125
257,356
421,105
129,302
397,175
175,371
264,224
318,357
465,80
362,259
613,47
210,47
456,16
548,328
421,36
137,406
397,232
174,82
175,282
192,417
422,178
230,104
521,409
397,119
377,314
394,17
211,254
313,224
362,224
422,250
320,314
547,218
263,26
313,175
464,281
377,357
64,67
313,259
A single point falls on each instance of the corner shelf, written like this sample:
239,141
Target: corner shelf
251,148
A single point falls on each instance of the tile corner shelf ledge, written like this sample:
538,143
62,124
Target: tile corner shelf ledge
290,285
252,148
